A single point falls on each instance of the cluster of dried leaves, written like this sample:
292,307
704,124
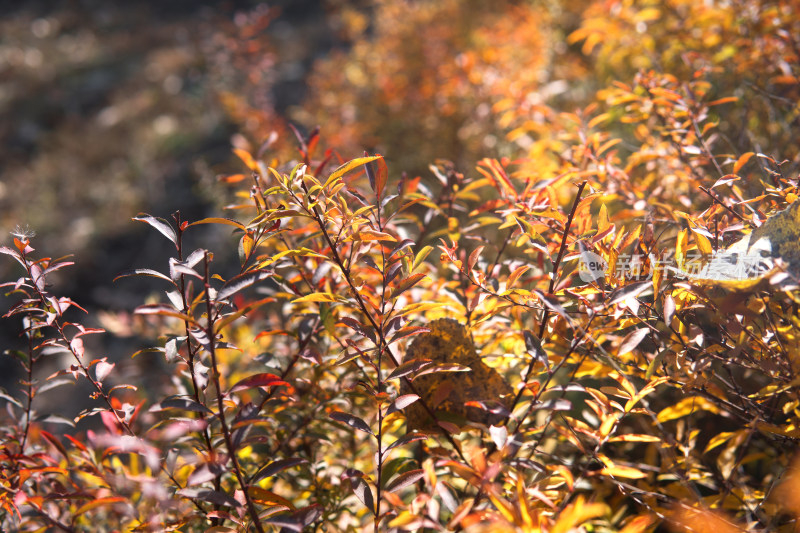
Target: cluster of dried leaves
639,397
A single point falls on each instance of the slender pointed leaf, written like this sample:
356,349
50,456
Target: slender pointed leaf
160,224
405,479
276,467
240,282
352,421
219,220
258,380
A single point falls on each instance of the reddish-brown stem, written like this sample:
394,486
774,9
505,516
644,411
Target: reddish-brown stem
363,307
191,354
29,403
211,335
546,315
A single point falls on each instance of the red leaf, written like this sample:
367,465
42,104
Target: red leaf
54,441
405,439
408,367
258,380
405,479
406,284
234,285
401,402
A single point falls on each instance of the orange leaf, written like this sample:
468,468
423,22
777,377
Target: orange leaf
246,158
577,513
726,100
97,503
742,161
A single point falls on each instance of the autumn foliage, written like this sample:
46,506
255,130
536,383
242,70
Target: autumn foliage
314,385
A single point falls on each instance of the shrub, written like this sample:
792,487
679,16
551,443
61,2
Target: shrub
627,379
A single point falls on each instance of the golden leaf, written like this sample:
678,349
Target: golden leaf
446,393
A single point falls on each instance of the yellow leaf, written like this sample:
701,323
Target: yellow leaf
685,407
524,509
703,244
607,145
718,439
316,297
502,505
634,438
681,244
566,475
247,244
602,219
421,255
512,278
219,220
627,472
608,424
648,15
419,308
726,100
347,167
403,519
599,119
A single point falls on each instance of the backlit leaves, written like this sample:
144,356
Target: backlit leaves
550,402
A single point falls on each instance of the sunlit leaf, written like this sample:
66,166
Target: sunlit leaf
686,406
219,220
351,420
242,281
258,380
347,167
160,224
405,479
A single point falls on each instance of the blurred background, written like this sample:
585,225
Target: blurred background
114,108
110,109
